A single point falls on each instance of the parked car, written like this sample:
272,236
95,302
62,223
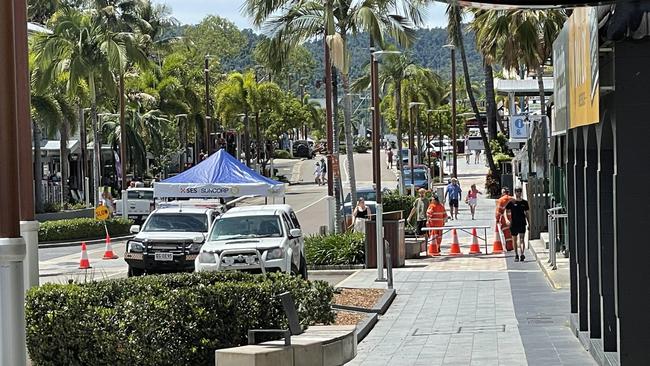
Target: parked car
421,177
303,149
369,195
170,239
140,201
255,239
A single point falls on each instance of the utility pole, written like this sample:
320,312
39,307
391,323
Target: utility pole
413,120
453,110
206,71
13,104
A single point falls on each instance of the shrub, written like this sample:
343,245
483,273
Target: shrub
338,249
493,184
81,228
361,146
281,154
176,319
396,202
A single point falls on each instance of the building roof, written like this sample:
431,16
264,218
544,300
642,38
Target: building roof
526,87
55,145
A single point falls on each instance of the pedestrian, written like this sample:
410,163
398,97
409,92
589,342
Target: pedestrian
477,156
360,214
318,173
471,199
467,152
202,155
107,200
419,209
436,217
501,216
389,155
519,217
455,193
323,165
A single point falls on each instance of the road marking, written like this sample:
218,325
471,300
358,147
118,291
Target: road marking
311,204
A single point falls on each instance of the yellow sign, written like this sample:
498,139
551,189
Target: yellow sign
583,83
101,213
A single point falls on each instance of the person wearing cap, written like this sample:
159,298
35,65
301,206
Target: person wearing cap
501,217
454,192
436,217
518,210
420,206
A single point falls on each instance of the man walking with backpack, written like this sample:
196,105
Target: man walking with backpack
518,209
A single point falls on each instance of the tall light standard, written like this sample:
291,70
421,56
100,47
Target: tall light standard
376,155
453,105
429,111
412,147
206,71
182,135
97,154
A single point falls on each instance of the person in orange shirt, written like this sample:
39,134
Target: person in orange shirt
436,217
502,218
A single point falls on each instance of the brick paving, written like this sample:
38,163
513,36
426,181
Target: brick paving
484,310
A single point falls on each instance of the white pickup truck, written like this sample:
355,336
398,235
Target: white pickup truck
140,202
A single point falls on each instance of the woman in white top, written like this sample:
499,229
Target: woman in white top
318,174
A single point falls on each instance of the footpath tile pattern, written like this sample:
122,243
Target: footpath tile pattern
486,310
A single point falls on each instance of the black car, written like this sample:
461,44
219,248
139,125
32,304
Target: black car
303,149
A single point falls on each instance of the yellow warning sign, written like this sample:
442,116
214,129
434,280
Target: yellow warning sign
101,213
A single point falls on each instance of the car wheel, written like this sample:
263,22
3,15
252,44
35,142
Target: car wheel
134,272
303,268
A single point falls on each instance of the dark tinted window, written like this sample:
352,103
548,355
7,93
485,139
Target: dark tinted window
177,222
140,195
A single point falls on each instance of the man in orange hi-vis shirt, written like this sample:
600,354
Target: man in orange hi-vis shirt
500,216
436,217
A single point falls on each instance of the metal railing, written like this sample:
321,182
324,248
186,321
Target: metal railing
555,219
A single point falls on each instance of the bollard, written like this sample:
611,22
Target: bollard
331,216
379,221
29,232
87,191
322,230
389,264
125,204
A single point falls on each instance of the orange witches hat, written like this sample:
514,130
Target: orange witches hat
84,263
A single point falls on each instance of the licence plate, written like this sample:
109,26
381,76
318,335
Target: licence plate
164,256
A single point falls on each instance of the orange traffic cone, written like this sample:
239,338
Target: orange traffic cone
455,247
108,253
497,247
84,263
474,248
432,246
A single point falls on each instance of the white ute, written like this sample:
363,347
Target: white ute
140,201
255,239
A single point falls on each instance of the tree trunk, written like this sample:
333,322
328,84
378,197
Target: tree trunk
259,144
544,130
349,143
38,168
398,122
97,156
65,169
338,191
491,108
470,95
247,141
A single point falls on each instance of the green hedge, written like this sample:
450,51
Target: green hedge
396,202
281,154
81,228
176,319
338,249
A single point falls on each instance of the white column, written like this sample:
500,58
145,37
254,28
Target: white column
379,219
125,204
29,232
331,214
12,304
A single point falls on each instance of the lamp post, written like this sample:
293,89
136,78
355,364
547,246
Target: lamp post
206,71
182,136
97,154
429,136
376,155
453,105
411,139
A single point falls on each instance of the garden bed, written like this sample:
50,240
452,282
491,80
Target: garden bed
358,297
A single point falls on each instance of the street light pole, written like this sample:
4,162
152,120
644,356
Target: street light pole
429,138
13,24
206,71
413,120
453,106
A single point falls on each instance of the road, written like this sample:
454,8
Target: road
59,265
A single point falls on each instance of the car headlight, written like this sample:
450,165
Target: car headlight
206,257
134,247
276,253
194,248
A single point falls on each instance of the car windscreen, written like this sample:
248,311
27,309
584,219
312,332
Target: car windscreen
266,226
140,195
419,175
177,222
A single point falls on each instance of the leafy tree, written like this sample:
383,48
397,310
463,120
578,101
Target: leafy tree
217,37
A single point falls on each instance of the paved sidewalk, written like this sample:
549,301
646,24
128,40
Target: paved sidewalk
461,310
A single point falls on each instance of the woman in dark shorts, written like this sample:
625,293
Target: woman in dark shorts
518,208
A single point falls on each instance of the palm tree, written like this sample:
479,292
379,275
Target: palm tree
290,22
87,53
454,28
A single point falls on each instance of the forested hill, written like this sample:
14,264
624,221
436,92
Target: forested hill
426,51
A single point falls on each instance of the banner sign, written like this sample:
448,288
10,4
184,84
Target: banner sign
519,128
560,121
210,190
583,78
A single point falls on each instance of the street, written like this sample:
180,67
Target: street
59,264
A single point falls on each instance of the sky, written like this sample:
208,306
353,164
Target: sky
192,11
